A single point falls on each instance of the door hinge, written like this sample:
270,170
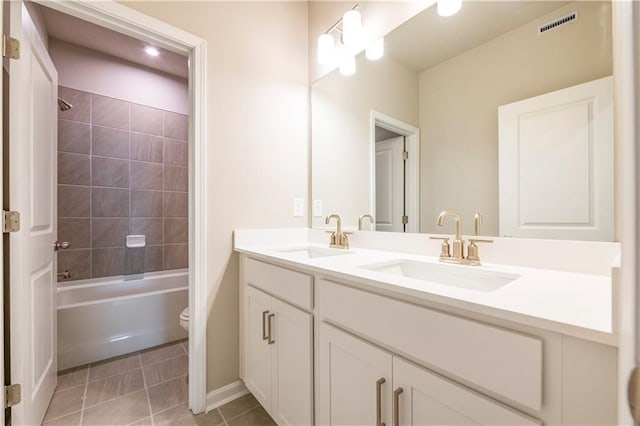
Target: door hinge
10,47
10,221
633,394
405,155
12,395
405,219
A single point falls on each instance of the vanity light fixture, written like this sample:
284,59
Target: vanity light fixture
352,29
375,50
151,51
325,49
348,65
449,7
352,40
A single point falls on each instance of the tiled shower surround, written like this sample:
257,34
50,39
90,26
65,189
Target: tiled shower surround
122,169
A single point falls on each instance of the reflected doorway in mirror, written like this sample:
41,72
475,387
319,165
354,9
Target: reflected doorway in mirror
395,173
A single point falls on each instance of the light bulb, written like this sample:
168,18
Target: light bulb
151,51
449,7
352,29
325,49
375,50
348,65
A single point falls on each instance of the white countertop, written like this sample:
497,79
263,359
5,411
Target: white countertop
573,303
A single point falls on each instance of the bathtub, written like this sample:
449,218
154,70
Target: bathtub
106,317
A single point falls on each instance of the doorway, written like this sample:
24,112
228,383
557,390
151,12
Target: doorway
395,174
122,20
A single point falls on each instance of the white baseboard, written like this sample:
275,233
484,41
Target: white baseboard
225,394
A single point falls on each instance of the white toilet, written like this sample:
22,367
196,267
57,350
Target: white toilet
184,319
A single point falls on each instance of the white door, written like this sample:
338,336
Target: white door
292,365
424,398
389,185
33,89
257,348
351,374
556,164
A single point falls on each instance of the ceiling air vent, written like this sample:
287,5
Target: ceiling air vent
558,22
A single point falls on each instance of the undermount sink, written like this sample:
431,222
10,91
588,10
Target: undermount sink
453,275
312,252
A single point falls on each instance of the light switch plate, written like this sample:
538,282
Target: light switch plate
317,208
298,207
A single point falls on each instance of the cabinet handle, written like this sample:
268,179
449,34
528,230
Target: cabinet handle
271,341
379,384
396,406
265,336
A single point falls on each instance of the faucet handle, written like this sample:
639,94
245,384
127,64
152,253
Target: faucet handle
472,250
445,249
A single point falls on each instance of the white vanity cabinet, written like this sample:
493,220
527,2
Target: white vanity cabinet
362,384
423,398
325,350
355,380
278,346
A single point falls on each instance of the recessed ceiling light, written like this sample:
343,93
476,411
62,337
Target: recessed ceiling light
151,51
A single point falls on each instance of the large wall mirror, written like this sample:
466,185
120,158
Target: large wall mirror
498,112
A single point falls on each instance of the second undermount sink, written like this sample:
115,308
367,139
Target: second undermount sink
453,275
312,252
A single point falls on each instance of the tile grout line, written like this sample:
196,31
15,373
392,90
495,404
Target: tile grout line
84,396
242,413
146,391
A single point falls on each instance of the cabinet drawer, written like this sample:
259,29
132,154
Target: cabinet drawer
501,361
293,287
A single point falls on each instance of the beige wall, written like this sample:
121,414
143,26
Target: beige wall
459,102
258,139
94,72
378,17
340,130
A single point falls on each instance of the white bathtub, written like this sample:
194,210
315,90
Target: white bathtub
105,317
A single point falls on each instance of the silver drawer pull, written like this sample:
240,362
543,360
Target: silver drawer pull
265,336
379,384
271,340
396,406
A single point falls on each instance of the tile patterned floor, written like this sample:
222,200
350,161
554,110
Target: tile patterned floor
146,388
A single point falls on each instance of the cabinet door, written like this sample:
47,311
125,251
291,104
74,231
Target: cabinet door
292,365
349,372
428,399
257,351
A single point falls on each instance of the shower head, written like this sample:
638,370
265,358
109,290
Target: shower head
64,105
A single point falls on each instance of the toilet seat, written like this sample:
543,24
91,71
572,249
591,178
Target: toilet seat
184,319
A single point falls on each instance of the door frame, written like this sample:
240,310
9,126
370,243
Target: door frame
626,94
125,20
412,171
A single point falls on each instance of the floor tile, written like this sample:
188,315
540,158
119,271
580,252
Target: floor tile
113,366
65,402
144,422
168,394
238,406
178,416
212,418
161,353
72,377
72,419
166,370
113,387
256,417
185,345
120,411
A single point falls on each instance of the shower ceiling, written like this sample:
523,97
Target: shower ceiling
67,28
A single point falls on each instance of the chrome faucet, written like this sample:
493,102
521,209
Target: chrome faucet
361,218
458,243
339,239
